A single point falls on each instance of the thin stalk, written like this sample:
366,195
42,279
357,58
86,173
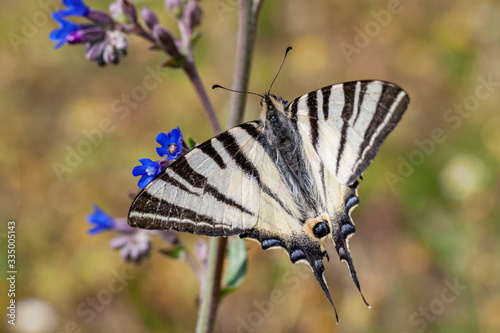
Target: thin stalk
247,27
194,265
210,288
192,73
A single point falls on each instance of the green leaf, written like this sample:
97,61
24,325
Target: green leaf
195,37
177,252
236,267
174,62
191,143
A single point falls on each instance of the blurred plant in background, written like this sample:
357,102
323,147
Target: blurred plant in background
105,41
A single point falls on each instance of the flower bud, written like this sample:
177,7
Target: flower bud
192,14
149,17
123,10
99,17
86,35
94,50
166,41
174,7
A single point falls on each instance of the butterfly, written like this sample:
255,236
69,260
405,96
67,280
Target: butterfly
288,180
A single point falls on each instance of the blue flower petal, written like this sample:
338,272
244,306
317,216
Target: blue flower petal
171,144
148,170
75,8
101,220
62,32
144,181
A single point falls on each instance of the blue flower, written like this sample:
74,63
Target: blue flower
101,220
148,170
62,33
171,144
75,8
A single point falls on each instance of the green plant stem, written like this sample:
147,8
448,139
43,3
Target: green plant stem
192,73
247,27
210,288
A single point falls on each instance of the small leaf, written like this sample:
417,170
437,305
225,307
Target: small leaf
177,252
191,143
174,62
195,37
236,267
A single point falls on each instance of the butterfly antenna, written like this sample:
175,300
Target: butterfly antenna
286,52
236,91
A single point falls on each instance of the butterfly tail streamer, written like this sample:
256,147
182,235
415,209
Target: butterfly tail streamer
345,255
318,271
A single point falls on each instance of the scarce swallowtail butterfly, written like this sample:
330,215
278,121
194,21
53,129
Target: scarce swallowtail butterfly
288,180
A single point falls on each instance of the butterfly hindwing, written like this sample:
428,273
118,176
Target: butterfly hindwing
342,127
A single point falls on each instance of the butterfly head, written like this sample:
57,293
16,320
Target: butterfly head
273,109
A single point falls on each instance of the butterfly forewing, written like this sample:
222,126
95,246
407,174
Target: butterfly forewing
211,190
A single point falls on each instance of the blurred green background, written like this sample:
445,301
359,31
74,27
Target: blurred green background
426,248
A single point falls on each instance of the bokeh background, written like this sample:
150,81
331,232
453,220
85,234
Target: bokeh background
426,248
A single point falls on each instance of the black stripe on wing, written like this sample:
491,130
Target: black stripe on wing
211,152
350,115
177,217
326,91
347,112
362,92
195,179
248,166
390,95
312,104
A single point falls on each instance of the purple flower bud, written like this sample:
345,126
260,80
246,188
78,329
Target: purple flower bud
125,8
109,55
174,6
100,17
108,50
86,35
94,50
149,17
133,246
192,14
166,41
